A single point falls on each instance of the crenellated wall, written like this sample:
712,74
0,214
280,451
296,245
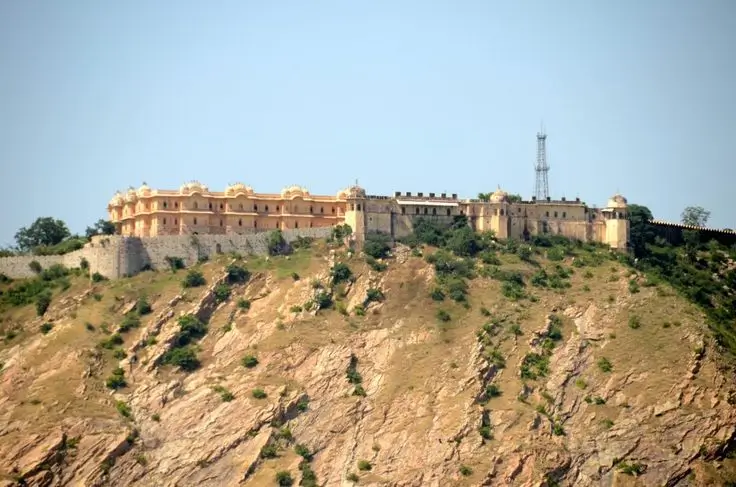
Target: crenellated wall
117,256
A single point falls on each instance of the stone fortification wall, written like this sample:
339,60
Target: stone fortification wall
118,256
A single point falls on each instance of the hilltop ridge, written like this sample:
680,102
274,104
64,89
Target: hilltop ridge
456,359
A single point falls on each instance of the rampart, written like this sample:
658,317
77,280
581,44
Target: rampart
118,256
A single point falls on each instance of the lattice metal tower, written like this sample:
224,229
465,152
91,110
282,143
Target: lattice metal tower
541,186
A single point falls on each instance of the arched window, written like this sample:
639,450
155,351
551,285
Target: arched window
266,208
240,222
310,209
434,211
176,204
195,221
296,224
210,205
255,207
196,205
164,221
165,205
322,209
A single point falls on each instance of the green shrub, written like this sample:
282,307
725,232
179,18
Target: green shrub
323,300
175,263
43,301
364,465
376,245
375,265
222,292
437,294
283,479
46,327
340,272
129,322
142,307
259,393
277,244
194,278
465,471
123,409
302,450
97,277
116,380
243,304
633,286
296,309
605,365
35,266
249,361
373,294
183,357
634,322
237,274
225,394
443,316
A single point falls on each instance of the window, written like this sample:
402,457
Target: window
210,206
555,214
176,222
434,211
417,211
195,221
546,213
255,224
403,210
240,222
220,222
164,221
322,209
358,206
296,224
255,207
176,204
425,211
165,205
333,210
277,208
240,206
221,206
196,205
266,208
564,214
448,212
310,210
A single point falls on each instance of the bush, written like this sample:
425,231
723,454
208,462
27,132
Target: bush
243,304
340,272
116,380
443,316
634,322
46,327
35,266
249,361
175,263
364,465
43,301
129,322
97,277
194,279
372,295
283,479
183,357
222,292
465,471
237,274
259,393
277,244
142,307
376,245
437,294
605,365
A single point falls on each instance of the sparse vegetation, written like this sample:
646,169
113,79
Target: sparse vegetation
249,361
259,393
194,278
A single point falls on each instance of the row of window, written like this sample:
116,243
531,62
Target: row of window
195,206
240,223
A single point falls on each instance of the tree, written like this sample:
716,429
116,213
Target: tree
44,231
102,227
696,216
640,232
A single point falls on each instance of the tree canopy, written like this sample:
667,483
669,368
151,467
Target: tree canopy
44,231
696,216
102,227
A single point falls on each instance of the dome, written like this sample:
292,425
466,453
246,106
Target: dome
294,192
131,196
354,191
617,201
144,191
499,196
117,199
238,188
193,187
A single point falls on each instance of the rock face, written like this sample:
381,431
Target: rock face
388,398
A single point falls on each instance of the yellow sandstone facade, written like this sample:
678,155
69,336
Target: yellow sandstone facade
194,209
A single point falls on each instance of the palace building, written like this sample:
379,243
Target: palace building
194,209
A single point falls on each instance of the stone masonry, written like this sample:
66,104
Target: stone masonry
117,256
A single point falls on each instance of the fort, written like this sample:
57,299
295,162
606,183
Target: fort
193,222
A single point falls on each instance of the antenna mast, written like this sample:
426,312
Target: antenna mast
541,186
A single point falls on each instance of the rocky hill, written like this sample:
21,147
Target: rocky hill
521,366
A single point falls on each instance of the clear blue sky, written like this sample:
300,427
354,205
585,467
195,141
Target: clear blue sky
411,95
